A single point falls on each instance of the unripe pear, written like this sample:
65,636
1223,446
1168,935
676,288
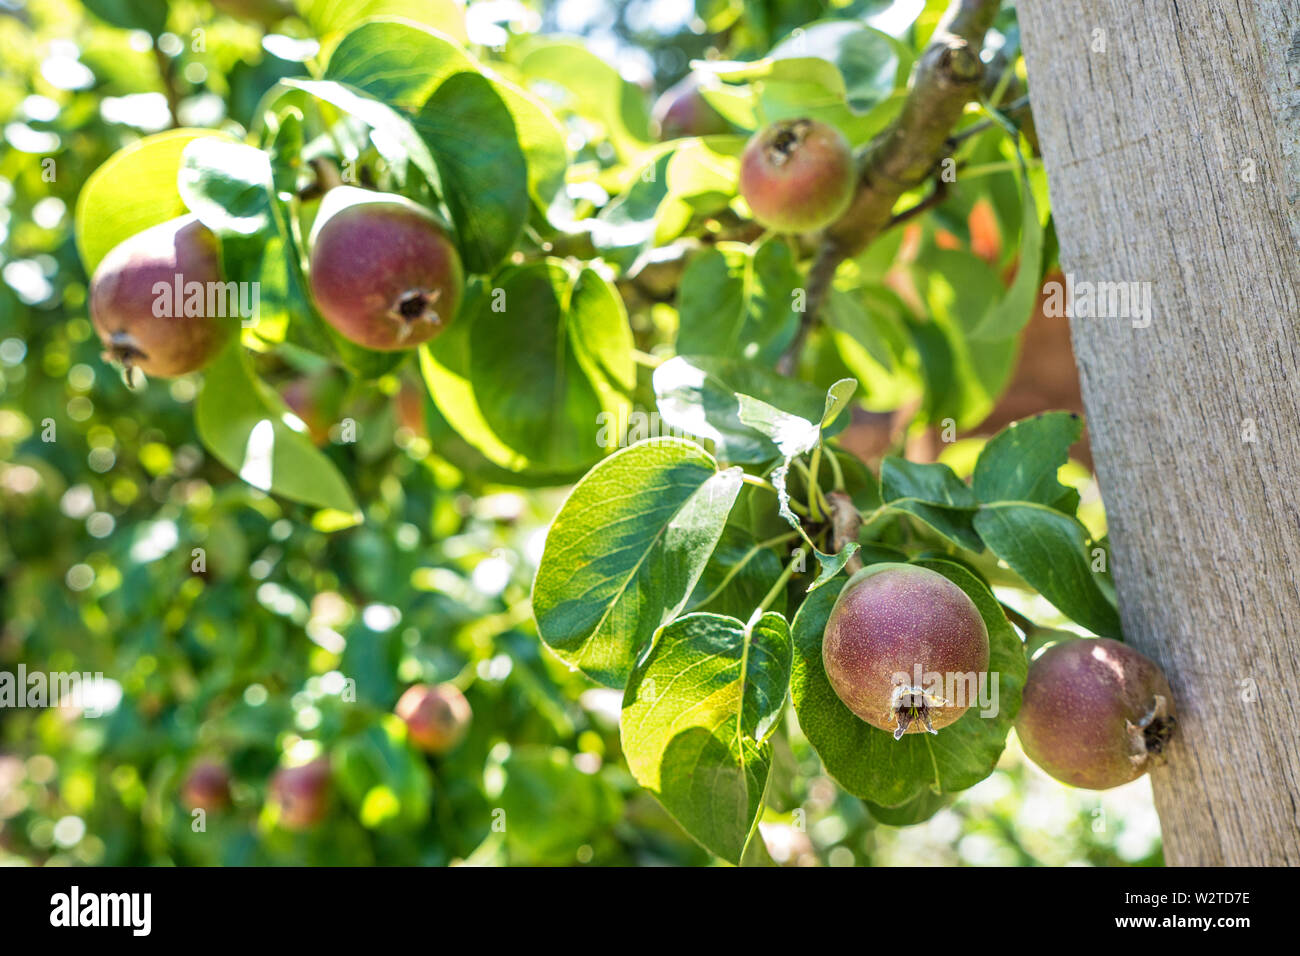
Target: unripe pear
206,787
317,402
437,718
142,291
383,271
898,636
301,794
1095,713
410,407
682,110
797,175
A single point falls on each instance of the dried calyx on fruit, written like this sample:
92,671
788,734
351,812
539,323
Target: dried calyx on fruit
383,271
151,300
905,648
1095,713
797,175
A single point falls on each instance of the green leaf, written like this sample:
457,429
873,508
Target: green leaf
1050,551
227,185
398,141
551,807
798,86
332,16
472,135
917,810
698,713
739,301
838,397
134,189
870,62
626,550
699,395
387,785
628,227
868,327
241,421
845,313
599,92
1020,462
1009,314
688,177
737,577
538,404
402,64
934,494
147,15
958,287
792,435
870,763
833,564
464,141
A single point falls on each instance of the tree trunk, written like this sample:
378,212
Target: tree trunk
1171,134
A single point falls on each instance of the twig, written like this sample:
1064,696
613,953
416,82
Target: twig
937,195
956,139
167,73
846,524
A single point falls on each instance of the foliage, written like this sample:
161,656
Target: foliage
262,556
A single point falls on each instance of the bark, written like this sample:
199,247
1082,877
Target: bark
1172,160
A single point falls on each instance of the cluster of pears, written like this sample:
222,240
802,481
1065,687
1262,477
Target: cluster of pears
437,717
382,269
1094,713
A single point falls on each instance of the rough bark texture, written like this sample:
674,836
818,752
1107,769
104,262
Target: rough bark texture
1149,148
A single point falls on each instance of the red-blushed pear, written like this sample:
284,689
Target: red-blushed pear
797,175
317,401
437,718
383,271
410,407
1095,713
682,110
899,639
301,794
206,786
151,295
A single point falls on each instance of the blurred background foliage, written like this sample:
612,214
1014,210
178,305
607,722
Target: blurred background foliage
224,619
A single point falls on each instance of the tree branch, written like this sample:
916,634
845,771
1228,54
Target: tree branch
947,77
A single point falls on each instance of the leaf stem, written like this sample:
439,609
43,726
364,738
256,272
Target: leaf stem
814,489
758,482
780,584
838,471
646,359
740,565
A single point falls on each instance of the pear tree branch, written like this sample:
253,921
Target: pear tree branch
947,76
